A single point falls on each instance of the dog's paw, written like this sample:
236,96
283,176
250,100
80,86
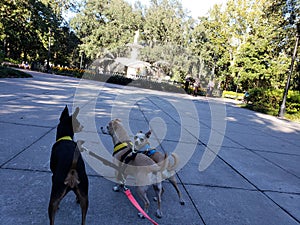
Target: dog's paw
182,202
141,215
116,188
158,214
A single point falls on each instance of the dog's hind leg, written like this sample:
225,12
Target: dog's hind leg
173,181
84,203
159,191
52,208
54,203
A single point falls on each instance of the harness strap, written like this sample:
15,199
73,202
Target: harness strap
129,158
147,150
125,156
150,152
120,146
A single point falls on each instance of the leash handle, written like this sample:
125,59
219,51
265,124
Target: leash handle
136,204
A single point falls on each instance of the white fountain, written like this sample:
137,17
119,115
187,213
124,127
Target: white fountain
134,68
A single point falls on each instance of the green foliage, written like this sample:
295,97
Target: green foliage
73,72
12,73
233,95
246,43
293,103
121,80
1,56
269,100
165,23
27,27
105,25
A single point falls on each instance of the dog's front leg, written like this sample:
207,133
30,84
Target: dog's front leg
120,177
142,192
158,190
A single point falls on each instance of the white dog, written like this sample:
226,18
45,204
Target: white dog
141,144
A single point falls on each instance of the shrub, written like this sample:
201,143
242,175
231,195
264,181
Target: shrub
293,102
1,56
73,72
265,101
232,95
269,101
6,72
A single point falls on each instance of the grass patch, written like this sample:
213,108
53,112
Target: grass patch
233,95
6,72
294,117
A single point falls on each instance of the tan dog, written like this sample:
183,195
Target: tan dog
141,143
140,166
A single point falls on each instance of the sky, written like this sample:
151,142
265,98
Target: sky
196,7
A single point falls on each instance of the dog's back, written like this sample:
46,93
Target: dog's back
61,162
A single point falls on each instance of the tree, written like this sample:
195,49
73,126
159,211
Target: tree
284,17
25,28
106,26
210,42
165,34
242,45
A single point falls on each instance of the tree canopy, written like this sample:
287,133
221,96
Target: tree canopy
244,43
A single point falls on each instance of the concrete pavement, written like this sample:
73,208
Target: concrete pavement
237,166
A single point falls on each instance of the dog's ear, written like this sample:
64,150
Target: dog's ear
148,134
75,114
64,114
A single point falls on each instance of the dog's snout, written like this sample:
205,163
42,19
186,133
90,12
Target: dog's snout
78,129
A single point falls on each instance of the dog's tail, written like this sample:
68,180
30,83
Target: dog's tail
163,165
173,166
72,179
158,167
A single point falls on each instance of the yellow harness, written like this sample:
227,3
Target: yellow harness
121,146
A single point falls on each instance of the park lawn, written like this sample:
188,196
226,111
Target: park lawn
6,72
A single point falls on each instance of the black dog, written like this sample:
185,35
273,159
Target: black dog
67,166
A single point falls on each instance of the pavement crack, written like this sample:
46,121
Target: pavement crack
26,170
191,199
19,153
220,186
24,124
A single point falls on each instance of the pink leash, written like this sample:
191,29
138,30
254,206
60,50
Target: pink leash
136,204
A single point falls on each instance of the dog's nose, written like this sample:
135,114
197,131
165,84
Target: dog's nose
81,127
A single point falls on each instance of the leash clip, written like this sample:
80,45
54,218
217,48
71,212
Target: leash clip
133,150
